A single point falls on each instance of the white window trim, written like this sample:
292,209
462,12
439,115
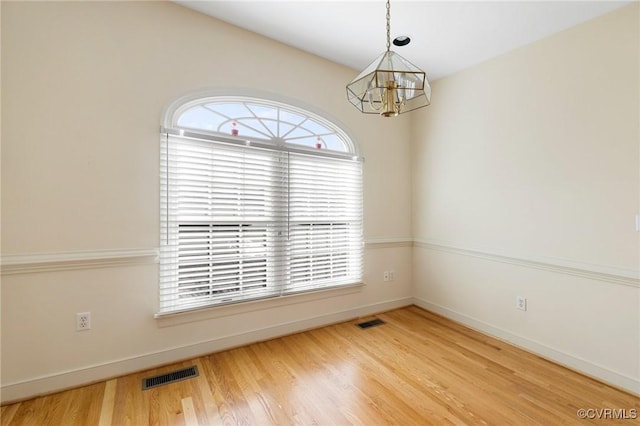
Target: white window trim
171,117
174,318
171,113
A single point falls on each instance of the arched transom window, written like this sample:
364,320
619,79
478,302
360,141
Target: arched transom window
259,199
260,120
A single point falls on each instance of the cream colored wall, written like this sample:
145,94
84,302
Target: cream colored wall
83,90
526,181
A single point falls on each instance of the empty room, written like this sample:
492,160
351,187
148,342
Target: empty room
320,212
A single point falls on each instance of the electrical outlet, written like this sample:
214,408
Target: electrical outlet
392,275
386,275
521,303
83,321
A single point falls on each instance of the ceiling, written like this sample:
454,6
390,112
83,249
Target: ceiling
447,36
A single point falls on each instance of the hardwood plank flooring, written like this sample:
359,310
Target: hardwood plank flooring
417,369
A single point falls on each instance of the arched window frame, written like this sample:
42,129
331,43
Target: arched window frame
301,239
173,113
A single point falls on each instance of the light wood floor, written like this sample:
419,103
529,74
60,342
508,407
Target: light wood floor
417,369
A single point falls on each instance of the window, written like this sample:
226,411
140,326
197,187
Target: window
258,199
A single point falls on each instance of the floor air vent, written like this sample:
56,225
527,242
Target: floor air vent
171,377
371,323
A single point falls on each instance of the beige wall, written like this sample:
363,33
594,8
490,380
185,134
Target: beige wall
526,181
524,173
83,90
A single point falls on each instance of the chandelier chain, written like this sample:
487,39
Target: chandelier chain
388,25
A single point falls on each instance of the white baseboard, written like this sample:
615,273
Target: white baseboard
91,374
583,366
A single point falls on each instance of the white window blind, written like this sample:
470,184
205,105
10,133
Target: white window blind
325,223
240,222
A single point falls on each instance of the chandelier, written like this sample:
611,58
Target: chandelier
390,85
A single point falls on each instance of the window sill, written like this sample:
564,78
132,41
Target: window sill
212,312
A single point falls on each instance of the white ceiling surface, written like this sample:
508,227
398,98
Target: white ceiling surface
447,36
